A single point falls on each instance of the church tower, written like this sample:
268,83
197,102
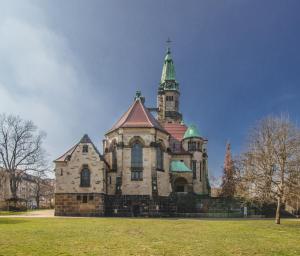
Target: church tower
168,93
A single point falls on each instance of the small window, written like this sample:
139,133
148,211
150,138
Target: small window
114,159
159,158
169,98
118,184
85,149
91,197
192,146
84,199
78,197
136,174
194,168
200,170
61,172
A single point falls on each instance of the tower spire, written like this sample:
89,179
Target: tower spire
168,71
168,91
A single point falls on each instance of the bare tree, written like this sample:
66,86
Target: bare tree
43,188
270,167
21,149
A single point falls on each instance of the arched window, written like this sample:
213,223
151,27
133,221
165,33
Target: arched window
159,158
137,161
114,158
85,177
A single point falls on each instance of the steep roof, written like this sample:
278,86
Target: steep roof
191,132
137,116
168,72
65,156
84,139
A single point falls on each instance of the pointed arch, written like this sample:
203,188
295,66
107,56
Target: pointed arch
85,177
137,161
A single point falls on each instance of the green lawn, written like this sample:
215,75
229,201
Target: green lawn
10,213
117,236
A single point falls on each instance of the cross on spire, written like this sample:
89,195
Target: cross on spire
168,44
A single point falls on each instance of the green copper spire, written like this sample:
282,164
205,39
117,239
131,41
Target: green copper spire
191,132
168,71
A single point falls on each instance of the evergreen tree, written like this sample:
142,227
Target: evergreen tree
228,179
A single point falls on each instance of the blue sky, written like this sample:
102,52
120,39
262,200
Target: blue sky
73,66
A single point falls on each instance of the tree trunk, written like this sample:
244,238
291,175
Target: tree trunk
37,202
277,219
13,187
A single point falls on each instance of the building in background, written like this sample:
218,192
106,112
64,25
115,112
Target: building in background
146,161
33,192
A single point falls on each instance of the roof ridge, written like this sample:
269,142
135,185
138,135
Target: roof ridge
146,113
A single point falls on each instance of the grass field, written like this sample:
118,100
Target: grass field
116,236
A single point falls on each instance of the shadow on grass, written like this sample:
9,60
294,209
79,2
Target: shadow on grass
11,221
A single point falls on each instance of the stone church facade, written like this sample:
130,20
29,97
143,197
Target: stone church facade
146,160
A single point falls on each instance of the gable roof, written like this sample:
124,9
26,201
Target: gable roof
137,116
65,156
84,139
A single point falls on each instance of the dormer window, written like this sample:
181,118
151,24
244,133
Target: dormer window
85,149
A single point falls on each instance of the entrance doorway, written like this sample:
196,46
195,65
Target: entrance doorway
136,210
180,185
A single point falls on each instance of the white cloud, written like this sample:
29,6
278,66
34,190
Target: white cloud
38,75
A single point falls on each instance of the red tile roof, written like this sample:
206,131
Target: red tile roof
137,116
176,130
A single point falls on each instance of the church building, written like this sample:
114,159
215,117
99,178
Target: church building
149,156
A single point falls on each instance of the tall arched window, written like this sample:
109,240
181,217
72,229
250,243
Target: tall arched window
114,158
85,177
159,158
137,161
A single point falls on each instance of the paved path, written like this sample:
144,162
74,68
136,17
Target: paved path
32,214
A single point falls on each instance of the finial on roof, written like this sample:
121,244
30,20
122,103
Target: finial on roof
138,96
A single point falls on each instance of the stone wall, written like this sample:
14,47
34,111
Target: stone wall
74,204
139,205
68,173
124,138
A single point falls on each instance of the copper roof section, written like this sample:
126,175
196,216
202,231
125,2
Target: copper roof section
137,116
